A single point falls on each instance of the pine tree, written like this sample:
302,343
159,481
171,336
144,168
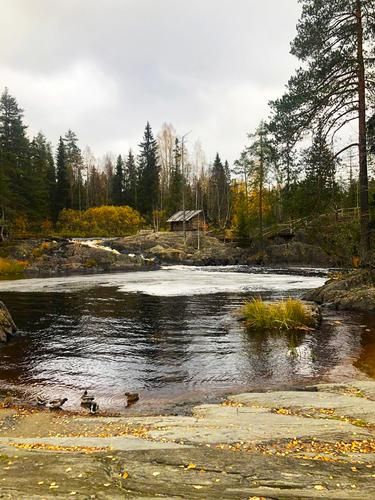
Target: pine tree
148,199
118,183
330,88
74,165
261,154
63,191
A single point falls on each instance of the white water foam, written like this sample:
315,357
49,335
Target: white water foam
170,281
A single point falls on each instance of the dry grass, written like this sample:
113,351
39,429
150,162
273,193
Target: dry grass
282,315
10,267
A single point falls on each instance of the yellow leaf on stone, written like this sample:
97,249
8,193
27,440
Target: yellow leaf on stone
191,466
319,487
40,482
197,486
125,475
156,473
68,469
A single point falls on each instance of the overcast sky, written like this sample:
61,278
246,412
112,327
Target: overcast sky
105,67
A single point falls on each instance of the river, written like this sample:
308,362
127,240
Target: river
170,335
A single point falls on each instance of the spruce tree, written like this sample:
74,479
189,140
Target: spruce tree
63,192
148,193
219,183
14,157
118,183
320,170
42,179
131,181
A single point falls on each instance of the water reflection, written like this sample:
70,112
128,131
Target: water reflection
166,347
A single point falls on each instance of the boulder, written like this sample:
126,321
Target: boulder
353,291
7,325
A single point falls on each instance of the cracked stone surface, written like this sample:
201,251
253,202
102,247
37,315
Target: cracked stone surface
231,451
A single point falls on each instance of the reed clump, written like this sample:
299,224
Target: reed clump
289,314
10,267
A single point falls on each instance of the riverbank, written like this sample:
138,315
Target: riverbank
353,291
313,443
149,250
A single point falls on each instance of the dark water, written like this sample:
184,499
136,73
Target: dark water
171,349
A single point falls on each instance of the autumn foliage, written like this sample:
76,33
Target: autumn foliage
99,221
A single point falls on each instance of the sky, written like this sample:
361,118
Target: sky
103,68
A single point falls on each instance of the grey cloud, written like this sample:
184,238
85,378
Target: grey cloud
199,64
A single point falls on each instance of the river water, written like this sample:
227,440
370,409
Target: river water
170,335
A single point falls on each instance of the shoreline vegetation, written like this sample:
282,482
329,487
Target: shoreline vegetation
281,315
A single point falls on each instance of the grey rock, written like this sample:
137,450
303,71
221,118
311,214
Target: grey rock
7,325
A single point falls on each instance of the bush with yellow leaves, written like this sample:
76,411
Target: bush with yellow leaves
99,221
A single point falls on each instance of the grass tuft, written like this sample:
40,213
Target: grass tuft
282,315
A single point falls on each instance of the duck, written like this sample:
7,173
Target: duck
56,404
94,407
131,397
85,398
41,401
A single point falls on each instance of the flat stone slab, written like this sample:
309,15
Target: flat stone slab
346,406
222,451
226,424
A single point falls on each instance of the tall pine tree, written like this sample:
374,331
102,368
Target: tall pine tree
331,87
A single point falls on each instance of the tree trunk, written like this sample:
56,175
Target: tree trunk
362,140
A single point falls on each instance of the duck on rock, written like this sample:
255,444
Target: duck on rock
131,397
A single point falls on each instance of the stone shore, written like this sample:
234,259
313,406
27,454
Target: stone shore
317,442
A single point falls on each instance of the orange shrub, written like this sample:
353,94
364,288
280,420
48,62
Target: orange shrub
99,221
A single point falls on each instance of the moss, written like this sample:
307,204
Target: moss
89,263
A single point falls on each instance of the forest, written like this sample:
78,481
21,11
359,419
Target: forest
312,156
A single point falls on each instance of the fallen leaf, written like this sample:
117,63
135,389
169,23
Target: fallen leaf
156,473
191,466
319,487
197,486
125,475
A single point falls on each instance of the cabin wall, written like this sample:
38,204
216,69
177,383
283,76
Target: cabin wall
191,225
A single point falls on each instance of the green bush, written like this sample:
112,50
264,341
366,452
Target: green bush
282,315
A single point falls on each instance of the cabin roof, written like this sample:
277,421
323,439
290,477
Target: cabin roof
179,216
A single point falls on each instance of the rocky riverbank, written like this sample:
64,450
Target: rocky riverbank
7,325
317,442
354,291
149,250
170,248
62,256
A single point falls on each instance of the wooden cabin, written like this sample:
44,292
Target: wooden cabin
194,220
